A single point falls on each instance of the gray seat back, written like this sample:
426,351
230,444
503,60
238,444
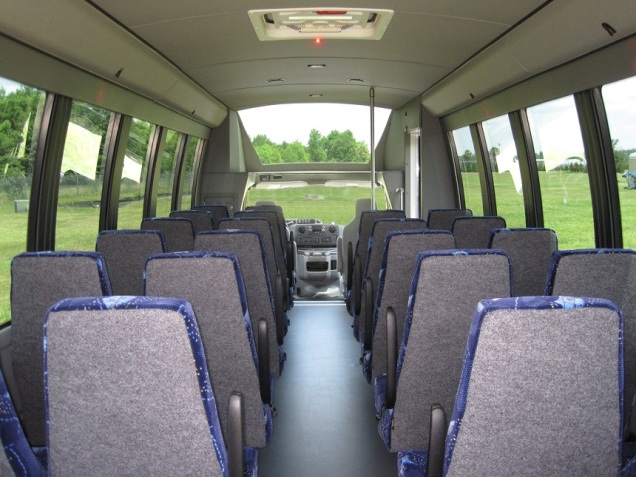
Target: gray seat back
38,281
367,221
381,228
177,231
350,235
278,234
218,212
446,288
529,250
540,390
442,219
474,232
213,284
125,253
128,392
398,266
248,247
201,219
264,227
608,274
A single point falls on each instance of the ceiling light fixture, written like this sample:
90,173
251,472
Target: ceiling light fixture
355,80
315,95
331,23
316,65
276,80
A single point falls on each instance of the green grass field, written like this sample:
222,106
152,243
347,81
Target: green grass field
566,205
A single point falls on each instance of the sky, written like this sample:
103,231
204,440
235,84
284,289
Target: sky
293,122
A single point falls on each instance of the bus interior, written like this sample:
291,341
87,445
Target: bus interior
324,133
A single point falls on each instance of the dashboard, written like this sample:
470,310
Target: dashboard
315,248
313,233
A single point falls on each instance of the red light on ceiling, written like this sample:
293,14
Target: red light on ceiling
317,41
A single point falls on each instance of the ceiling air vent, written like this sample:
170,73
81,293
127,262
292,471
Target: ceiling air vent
333,23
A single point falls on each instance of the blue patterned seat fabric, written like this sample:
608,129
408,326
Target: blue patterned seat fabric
21,457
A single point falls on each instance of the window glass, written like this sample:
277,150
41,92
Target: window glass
297,133
134,173
506,173
187,173
331,202
166,178
470,173
565,187
620,104
81,178
20,117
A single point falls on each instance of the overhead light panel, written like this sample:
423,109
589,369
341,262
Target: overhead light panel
332,23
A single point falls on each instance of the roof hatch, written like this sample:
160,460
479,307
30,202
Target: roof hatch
333,23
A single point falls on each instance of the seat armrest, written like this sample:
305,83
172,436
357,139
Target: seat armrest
263,361
436,441
235,435
349,265
357,284
367,318
291,258
279,309
391,358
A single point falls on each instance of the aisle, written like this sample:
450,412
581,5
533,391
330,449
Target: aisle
325,424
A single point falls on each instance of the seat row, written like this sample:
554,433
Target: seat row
182,226
235,315
422,344
469,232
423,302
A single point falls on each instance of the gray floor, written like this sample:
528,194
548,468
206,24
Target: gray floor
325,424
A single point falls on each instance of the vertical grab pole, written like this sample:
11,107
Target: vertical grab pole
372,107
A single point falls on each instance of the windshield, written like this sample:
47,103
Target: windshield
332,202
313,133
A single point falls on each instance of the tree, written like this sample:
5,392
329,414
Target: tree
17,147
468,161
262,139
269,154
621,156
342,147
293,152
315,147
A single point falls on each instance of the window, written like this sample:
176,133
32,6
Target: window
469,169
20,113
565,187
81,178
166,178
297,133
187,173
506,173
134,173
331,202
620,104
